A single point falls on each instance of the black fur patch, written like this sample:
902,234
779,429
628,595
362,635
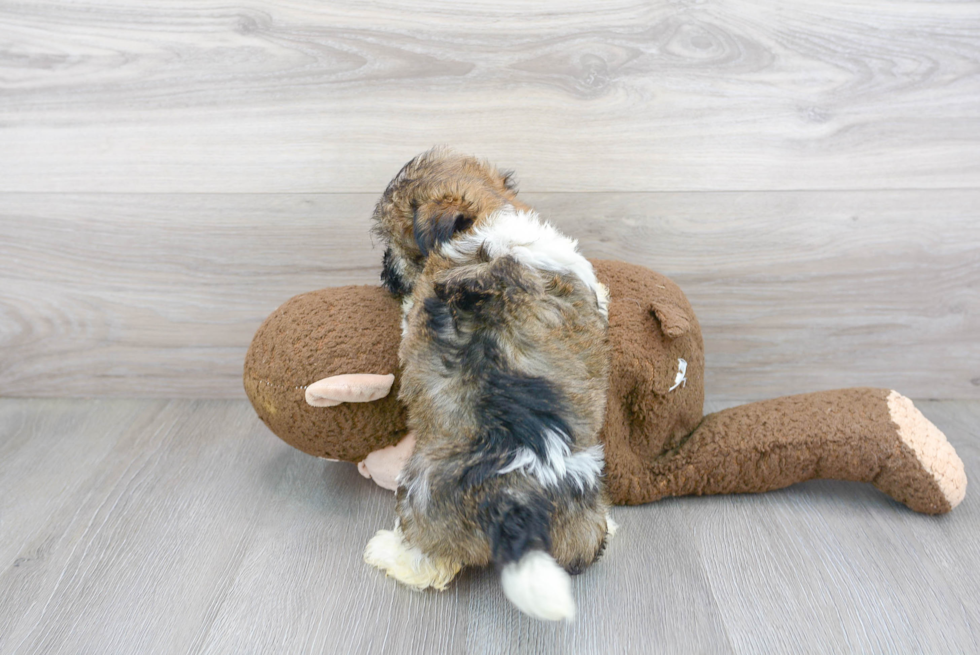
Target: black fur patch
519,410
482,354
515,528
441,326
463,297
479,354
438,319
490,289
390,278
514,411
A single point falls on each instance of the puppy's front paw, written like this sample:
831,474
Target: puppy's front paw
389,552
611,526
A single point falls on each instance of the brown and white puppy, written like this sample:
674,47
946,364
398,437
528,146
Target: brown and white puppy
505,370
434,196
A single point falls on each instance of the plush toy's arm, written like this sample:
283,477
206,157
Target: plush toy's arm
381,465
384,465
867,435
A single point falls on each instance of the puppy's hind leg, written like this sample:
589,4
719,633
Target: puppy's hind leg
389,552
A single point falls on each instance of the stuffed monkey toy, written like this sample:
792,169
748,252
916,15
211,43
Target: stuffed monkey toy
322,373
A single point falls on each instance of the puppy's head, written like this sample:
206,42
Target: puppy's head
434,197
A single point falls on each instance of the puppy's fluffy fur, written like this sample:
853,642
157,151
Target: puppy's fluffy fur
434,196
505,367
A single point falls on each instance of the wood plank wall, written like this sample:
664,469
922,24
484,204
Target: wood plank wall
808,172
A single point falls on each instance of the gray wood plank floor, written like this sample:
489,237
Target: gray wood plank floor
151,526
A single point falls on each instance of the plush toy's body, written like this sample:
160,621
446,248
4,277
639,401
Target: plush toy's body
657,443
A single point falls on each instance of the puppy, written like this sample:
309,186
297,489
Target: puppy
505,370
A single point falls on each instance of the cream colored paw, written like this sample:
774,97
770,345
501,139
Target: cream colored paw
611,526
930,446
389,552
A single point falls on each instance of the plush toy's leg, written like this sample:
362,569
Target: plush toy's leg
384,465
389,552
868,435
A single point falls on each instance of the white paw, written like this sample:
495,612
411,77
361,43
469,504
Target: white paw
611,526
389,552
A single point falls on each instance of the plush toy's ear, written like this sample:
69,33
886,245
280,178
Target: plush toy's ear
349,388
673,319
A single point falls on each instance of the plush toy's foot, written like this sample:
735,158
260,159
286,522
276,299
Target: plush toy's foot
389,552
929,475
383,466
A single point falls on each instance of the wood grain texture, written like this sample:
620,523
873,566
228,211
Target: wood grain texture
302,96
159,295
186,527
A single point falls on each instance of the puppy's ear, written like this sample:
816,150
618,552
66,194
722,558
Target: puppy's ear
435,229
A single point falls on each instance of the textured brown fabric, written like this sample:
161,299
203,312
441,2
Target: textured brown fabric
656,442
643,417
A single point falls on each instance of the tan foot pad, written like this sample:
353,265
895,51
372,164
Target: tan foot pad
931,448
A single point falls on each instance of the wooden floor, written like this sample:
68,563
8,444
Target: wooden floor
144,526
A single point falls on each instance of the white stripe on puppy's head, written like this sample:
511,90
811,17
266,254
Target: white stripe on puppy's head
532,242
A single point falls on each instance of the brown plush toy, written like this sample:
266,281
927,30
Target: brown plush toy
338,349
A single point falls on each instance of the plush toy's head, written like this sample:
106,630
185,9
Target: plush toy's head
315,335
656,381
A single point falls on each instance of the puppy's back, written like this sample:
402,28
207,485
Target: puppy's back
506,368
